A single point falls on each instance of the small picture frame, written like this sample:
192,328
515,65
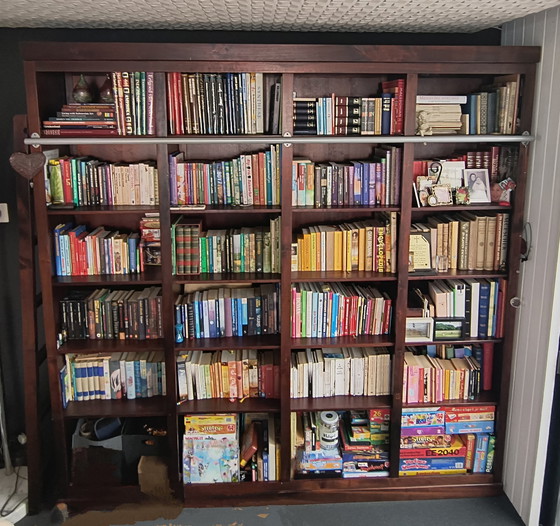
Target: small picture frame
419,330
448,328
440,195
478,183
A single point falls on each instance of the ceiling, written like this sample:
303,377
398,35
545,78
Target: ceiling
444,16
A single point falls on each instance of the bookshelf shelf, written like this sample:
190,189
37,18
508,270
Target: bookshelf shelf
457,274
215,209
340,403
230,277
243,342
345,164
220,405
117,408
105,210
343,341
110,346
484,398
344,210
150,276
328,276
205,139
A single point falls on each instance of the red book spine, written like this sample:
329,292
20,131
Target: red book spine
179,119
487,365
88,132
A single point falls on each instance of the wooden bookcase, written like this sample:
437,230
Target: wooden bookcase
51,69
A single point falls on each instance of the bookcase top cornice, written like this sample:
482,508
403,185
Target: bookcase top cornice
91,51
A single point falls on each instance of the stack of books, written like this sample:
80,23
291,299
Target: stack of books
82,120
439,114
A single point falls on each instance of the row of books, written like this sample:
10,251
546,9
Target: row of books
134,102
218,103
259,447
354,371
446,440
369,245
356,183
479,303
469,241
350,115
83,181
79,252
337,115
104,314
225,312
250,179
494,109
114,376
429,379
232,374
246,249
328,310
483,352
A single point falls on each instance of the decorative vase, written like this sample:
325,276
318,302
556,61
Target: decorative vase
82,91
106,90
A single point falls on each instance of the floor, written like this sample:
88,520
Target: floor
13,494
490,511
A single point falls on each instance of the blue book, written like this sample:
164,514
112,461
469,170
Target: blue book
132,241
365,183
480,453
59,253
483,308
63,378
100,381
470,109
137,379
371,184
196,312
334,316
90,379
385,113
358,194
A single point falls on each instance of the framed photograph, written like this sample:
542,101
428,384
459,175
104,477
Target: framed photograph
478,183
448,328
419,330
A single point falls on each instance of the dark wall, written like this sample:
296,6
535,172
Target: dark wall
12,102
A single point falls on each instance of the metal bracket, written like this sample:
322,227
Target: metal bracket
525,143
35,135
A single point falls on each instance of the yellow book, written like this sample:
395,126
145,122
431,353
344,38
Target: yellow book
338,249
361,246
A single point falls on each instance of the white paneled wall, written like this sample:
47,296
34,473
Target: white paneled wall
538,327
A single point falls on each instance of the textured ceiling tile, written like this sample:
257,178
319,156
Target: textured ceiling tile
273,15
